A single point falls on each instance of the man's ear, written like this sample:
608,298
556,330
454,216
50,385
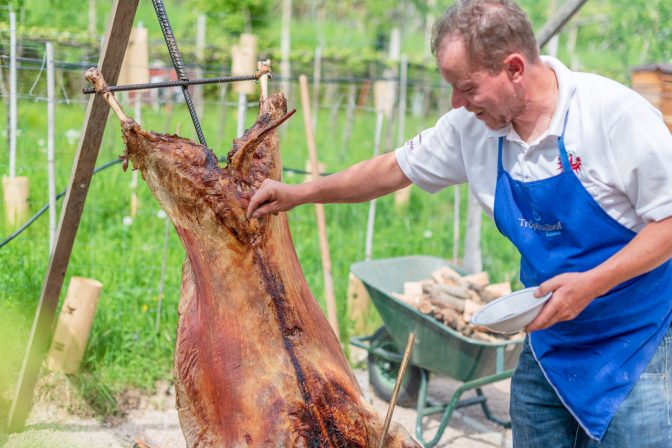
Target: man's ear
514,66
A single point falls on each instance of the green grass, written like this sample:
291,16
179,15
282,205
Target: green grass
124,348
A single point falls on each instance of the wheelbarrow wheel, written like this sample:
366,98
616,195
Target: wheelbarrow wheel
383,372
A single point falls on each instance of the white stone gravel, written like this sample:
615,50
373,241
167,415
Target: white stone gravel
155,422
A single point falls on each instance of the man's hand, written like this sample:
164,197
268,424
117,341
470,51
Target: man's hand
273,197
572,292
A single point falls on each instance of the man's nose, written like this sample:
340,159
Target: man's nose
458,100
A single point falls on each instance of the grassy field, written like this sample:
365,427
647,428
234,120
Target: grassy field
126,349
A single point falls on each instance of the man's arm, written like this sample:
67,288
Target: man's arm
361,182
572,292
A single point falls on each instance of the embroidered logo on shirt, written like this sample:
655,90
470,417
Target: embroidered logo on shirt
574,162
411,144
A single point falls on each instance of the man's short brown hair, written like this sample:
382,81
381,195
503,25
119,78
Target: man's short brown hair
491,29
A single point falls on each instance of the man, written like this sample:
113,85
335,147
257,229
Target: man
576,170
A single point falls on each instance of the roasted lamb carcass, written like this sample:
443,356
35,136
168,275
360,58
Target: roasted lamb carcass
256,363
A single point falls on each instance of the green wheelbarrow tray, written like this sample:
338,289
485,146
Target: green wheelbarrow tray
438,348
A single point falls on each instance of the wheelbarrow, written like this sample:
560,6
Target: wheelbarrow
438,349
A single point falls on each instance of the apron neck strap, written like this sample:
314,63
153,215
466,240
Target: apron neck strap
566,166
500,167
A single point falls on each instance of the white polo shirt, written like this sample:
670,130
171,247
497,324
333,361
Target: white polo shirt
619,148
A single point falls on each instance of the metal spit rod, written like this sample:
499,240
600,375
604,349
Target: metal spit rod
177,62
178,83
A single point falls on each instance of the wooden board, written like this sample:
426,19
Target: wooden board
116,39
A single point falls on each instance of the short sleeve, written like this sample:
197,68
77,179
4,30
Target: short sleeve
433,159
642,151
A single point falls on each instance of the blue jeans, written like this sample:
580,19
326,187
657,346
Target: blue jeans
539,419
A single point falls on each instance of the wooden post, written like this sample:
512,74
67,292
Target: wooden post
116,38
285,43
200,61
317,73
456,223
319,210
321,167
135,68
402,196
223,89
473,262
552,46
51,169
16,191
395,44
74,325
92,18
349,119
574,62
12,96
384,103
242,109
358,304
244,62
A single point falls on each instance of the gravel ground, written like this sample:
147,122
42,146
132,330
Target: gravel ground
154,421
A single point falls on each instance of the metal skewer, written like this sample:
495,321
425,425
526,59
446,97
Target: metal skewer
397,388
178,83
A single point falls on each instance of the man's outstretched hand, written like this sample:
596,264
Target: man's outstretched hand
272,197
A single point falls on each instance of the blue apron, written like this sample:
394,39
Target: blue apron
594,360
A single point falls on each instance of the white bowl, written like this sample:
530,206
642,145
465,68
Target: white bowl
511,313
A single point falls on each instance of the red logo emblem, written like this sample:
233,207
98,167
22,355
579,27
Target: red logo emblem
574,162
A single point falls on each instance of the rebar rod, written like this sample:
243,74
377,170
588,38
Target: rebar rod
178,83
171,43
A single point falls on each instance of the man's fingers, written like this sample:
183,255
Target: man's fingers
264,210
258,199
549,285
543,318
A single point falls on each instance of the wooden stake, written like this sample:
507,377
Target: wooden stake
456,223
12,95
319,210
368,250
358,304
51,168
401,197
397,388
244,62
349,119
285,43
116,38
317,73
322,168
74,325
200,61
16,192
242,109
472,260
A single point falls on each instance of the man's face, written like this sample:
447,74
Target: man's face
493,98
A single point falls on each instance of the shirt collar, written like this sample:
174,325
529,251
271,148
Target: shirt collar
566,88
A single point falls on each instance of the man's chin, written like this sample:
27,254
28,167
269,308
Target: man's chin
492,123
